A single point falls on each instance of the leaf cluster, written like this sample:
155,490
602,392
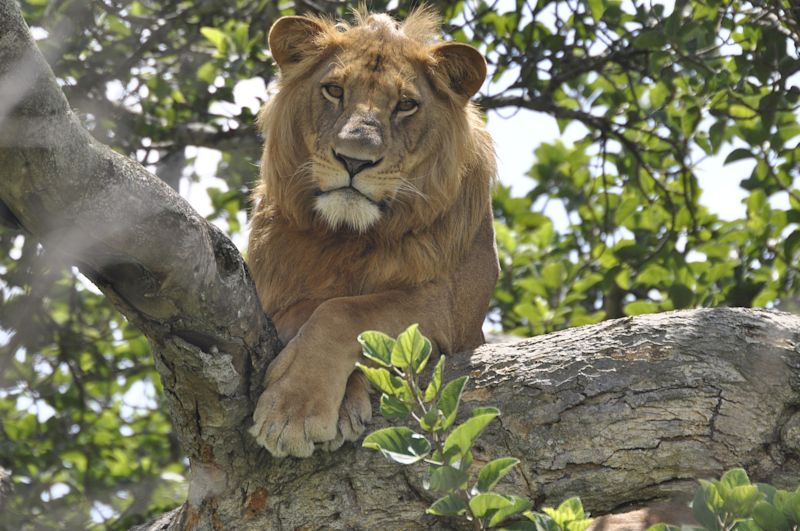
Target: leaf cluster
615,223
444,445
733,503
84,431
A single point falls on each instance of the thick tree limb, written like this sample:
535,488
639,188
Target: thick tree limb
619,412
637,408
622,413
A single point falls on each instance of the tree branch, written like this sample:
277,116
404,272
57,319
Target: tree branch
170,272
622,413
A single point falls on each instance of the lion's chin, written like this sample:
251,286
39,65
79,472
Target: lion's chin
347,208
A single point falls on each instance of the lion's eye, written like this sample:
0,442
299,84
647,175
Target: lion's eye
407,106
333,93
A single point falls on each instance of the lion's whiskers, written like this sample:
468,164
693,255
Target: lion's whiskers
408,186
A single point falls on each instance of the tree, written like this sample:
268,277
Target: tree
658,92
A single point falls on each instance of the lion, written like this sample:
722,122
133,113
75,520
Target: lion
373,212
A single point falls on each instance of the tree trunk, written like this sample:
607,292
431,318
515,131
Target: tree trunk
619,413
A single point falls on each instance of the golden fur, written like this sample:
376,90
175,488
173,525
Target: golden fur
408,239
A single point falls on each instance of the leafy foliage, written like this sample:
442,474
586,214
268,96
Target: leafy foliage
733,503
650,93
614,225
83,427
445,446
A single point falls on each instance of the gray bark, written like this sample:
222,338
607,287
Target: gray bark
619,413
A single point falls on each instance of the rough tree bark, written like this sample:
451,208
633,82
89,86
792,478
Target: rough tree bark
620,413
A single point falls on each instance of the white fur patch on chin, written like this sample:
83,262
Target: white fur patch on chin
347,208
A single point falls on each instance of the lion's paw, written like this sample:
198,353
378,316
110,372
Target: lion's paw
354,413
288,421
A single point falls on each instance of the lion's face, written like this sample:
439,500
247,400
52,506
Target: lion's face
370,105
372,109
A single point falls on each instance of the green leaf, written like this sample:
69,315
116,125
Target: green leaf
461,439
493,471
689,120
640,307
485,502
791,245
448,479
411,349
177,96
716,134
517,506
767,490
572,509
450,399
659,94
736,477
740,501
450,505
623,279
464,463
625,209
436,380
542,522
241,37
217,38
522,525
377,346
789,504
76,459
782,500
207,72
767,516
706,502
386,382
579,525
738,154
393,408
431,420
680,295
653,275
399,444
597,8
649,39
569,515
552,274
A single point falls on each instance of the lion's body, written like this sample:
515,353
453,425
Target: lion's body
312,267
372,214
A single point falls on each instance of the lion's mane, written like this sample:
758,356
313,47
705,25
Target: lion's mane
421,234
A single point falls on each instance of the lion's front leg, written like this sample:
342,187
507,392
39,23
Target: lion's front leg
296,409
312,394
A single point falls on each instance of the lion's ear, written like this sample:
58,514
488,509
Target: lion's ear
463,66
292,38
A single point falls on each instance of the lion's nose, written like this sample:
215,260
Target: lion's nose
354,166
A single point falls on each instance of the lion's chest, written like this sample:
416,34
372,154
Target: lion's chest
305,266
